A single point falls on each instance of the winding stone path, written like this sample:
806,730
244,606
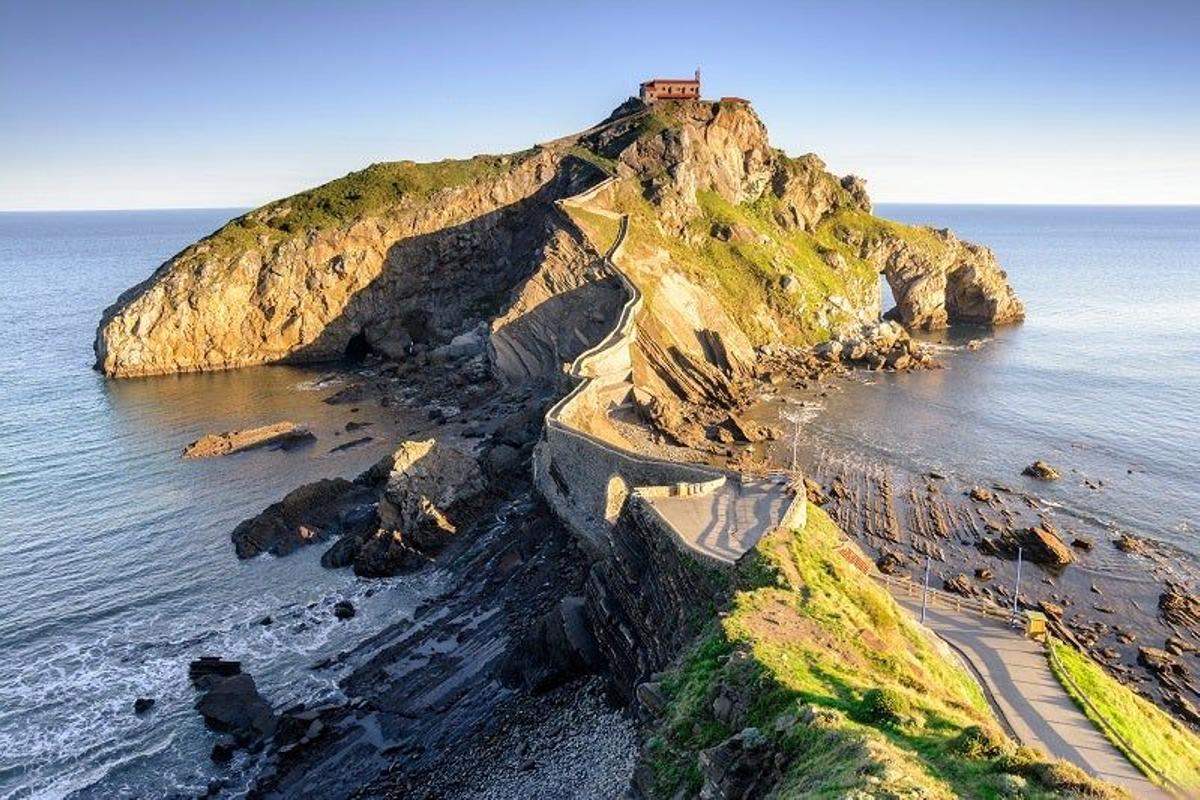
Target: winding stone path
1017,677
726,523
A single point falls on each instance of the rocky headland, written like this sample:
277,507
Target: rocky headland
620,296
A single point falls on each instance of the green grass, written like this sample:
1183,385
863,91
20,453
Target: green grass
601,229
882,709
746,275
609,165
371,191
1153,736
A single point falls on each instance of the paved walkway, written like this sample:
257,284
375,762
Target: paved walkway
731,520
1017,678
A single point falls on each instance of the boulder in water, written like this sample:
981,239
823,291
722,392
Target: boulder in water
1042,471
281,434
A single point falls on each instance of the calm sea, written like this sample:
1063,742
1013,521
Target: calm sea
1101,380
115,561
116,566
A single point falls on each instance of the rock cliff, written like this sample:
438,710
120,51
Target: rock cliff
737,243
397,256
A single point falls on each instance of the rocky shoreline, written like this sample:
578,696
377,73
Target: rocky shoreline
1130,602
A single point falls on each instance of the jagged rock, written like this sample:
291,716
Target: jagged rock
891,563
222,751
1050,609
344,609
1042,546
427,480
666,417
959,584
244,295
816,495
984,573
1128,543
233,705
280,435
744,430
1178,647
430,492
646,601
980,494
740,768
1185,708
1180,607
207,669
938,279
558,648
733,233
1082,543
142,705
1162,664
1042,471
877,346
729,706
308,514
650,696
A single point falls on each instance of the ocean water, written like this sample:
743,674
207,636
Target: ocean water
116,566
115,562
1101,380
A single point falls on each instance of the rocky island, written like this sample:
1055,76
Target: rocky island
636,602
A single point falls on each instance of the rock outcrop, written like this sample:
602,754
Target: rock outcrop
427,498
281,434
936,278
404,257
646,600
396,254
306,515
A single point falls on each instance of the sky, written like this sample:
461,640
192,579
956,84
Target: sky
122,104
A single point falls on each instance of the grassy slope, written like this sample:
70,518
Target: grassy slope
600,229
360,194
1154,736
746,275
890,714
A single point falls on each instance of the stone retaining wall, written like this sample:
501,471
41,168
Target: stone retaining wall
581,476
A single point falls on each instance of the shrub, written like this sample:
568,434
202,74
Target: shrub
979,743
885,705
1008,785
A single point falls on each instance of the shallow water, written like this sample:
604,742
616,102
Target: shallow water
116,566
1101,380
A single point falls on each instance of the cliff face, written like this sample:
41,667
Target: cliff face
735,243
293,282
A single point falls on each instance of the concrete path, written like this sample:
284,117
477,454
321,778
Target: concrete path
731,520
1017,678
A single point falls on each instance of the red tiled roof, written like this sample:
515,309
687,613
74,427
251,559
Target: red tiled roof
670,80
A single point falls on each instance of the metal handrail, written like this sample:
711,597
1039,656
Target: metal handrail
1110,730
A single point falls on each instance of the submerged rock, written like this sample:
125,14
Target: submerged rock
233,705
1042,471
281,434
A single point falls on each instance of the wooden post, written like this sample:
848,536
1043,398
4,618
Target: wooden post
925,594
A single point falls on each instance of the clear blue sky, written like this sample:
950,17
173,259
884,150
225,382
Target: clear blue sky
174,104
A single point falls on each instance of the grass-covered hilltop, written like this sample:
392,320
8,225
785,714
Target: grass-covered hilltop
399,253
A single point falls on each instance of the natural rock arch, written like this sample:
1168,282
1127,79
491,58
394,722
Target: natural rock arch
614,498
